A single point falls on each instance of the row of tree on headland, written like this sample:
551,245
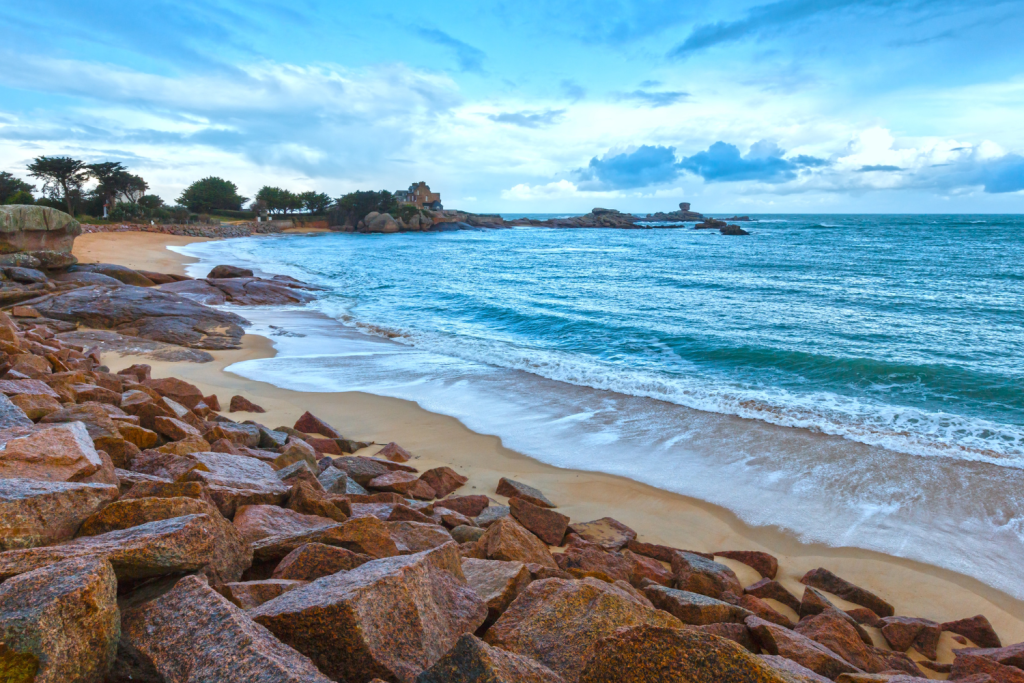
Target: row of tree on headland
109,189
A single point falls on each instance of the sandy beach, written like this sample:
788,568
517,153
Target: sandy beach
915,589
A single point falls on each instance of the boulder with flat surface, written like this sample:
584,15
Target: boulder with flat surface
471,506
179,545
496,582
59,452
390,618
514,489
414,537
507,540
823,579
37,513
217,642
548,525
230,556
777,640
27,228
643,569
177,390
405,483
254,291
977,628
311,424
148,313
443,480
694,608
902,633
314,560
656,654
582,559
967,666
59,623
255,522
472,660
700,575
122,274
558,622
769,589
764,564
757,606
36,406
606,532
833,630
395,453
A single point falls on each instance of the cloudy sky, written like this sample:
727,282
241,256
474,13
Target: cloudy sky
536,106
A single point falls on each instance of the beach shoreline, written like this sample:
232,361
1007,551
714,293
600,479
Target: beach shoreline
659,516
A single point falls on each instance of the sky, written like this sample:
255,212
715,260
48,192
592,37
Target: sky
793,106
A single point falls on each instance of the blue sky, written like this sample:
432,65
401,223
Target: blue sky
787,106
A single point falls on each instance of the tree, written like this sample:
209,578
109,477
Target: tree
21,197
277,200
353,207
271,198
10,186
115,181
315,202
210,194
133,188
62,177
150,202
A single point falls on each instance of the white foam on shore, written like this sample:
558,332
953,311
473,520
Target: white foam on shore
822,489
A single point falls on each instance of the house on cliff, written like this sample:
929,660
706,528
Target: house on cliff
419,194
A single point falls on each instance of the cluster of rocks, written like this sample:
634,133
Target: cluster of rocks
145,536
425,220
222,231
50,288
721,226
612,218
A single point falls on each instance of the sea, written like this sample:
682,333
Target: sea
851,380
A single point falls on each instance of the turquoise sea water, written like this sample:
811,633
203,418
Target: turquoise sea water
704,364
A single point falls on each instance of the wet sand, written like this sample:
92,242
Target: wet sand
915,589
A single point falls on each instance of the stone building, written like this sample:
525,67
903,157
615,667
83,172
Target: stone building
420,195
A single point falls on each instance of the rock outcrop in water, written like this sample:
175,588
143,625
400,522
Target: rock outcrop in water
612,218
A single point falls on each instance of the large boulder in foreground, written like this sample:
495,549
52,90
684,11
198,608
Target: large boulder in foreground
170,546
59,623
35,513
474,661
147,313
192,633
655,654
26,227
231,553
390,618
558,622
59,452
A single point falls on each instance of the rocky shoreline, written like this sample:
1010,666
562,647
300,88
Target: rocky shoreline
148,536
449,220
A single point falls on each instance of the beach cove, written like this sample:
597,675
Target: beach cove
658,516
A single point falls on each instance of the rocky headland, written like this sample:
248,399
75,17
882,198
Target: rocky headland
147,535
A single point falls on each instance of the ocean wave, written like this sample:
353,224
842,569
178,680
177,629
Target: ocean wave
899,428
